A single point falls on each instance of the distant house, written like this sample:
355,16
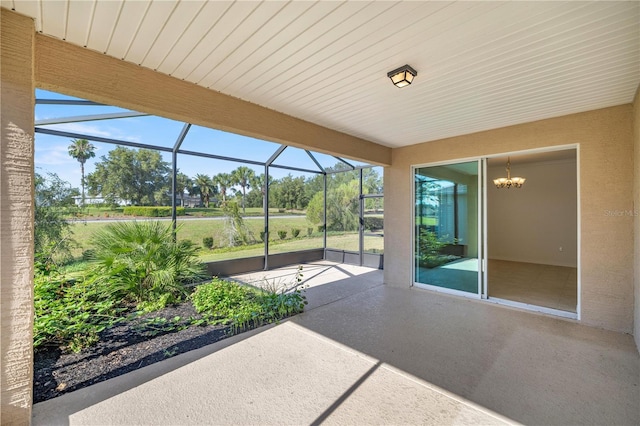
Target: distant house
89,201
185,200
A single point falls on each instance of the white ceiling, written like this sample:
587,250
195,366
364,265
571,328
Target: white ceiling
481,65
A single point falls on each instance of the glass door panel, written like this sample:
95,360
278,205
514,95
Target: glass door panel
447,246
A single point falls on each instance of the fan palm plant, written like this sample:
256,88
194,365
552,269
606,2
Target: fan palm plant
140,262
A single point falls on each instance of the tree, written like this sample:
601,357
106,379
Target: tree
224,182
343,204
82,150
372,184
183,183
243,176
258,184
53,203
140,177
313,185
235,228
204,187
371,181
315,208
290,192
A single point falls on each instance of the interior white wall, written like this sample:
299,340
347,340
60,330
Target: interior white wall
531,223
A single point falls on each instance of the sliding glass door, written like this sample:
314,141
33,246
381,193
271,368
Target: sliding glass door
447,227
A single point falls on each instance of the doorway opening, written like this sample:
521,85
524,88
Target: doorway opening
532,232
516,246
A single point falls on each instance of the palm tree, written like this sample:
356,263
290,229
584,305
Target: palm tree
224,181
183,183
205,188
258,183
243,176
82,150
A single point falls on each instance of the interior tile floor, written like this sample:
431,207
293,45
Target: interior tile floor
549,286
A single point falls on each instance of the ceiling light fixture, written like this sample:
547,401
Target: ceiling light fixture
402,76
509,181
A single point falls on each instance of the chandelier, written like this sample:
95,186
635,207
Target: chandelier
509,181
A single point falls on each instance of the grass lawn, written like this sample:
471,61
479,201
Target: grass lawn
196,230
117,212
427,220
344,242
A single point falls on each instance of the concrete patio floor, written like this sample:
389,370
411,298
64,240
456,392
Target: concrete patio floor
366,353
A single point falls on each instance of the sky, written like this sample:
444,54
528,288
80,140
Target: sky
51,152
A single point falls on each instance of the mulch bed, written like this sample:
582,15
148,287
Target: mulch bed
122,348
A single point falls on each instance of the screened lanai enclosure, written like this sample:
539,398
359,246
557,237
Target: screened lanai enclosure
250,204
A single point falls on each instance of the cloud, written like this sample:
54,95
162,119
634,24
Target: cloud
92,130
52,155
81,128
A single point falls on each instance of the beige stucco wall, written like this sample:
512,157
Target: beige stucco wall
73,70
16,216
605,139
636,198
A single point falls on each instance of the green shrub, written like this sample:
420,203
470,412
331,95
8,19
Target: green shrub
88,254
140,262
431,247
309,232
207,242
373,223
226,302
53,204
281,210
295,232
152,211
262,234
282,234
276,306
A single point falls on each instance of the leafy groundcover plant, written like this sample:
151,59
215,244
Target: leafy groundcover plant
242,307
137,268
70,314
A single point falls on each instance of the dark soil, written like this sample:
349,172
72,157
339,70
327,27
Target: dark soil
125,347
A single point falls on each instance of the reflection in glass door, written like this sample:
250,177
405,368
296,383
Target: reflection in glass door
447,243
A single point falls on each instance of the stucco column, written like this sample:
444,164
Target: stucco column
16,216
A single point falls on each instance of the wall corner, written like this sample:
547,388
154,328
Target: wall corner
17,34
636,223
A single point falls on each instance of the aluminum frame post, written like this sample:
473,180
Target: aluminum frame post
265,208
324,216
361,221
95,117
174,188
174,183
